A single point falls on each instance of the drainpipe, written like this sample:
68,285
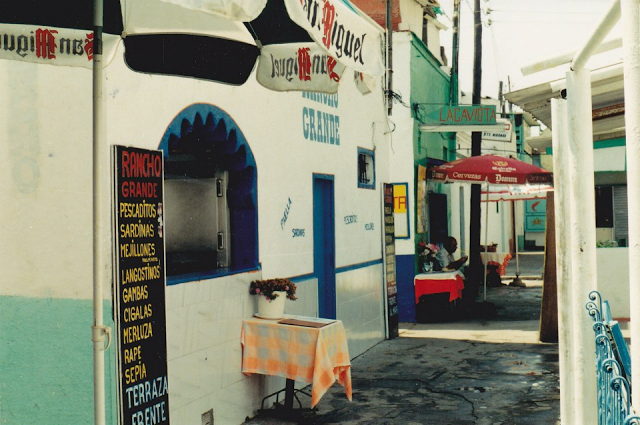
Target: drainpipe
389,23
455,54
583,241
562,209
453,82
631,46
98,330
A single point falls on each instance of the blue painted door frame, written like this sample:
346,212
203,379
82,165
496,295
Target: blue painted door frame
324,262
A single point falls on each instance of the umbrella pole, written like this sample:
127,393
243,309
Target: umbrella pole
517,281
486,241
98,330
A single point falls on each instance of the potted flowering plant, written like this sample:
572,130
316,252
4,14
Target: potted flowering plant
269,288
271,296
427,257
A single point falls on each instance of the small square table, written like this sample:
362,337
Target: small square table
498,259
309,350
439,282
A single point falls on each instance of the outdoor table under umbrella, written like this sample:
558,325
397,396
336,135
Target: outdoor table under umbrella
500,193
491,170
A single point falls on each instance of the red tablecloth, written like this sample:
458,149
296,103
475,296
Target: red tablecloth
439,282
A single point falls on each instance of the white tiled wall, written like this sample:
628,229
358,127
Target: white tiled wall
360,307
204,320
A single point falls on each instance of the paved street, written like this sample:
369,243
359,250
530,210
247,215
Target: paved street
473,371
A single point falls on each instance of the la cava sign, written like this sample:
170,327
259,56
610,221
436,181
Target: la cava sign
466,115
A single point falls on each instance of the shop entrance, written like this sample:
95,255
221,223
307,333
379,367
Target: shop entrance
324,263
438,221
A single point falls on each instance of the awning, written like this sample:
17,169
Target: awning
347,34
306,45
218,40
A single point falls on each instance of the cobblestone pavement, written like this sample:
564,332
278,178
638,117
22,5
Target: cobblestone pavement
472,371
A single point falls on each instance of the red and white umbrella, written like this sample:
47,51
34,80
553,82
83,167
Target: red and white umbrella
491,169
506,179
496,193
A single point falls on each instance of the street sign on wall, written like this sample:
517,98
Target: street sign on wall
139,286
500,135
390,262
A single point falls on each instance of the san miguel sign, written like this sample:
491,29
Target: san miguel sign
298,66
340,29
46,45
49,45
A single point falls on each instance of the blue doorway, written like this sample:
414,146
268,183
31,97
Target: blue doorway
324,263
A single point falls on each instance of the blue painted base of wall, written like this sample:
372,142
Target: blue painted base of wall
405,272
46,362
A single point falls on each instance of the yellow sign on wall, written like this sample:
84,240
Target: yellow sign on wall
400,210
399,199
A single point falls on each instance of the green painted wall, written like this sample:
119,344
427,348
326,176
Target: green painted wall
46,354
429,85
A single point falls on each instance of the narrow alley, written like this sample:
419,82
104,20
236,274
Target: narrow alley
466,372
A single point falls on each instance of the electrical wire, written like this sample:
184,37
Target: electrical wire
546,12
397,98
531,22
496,54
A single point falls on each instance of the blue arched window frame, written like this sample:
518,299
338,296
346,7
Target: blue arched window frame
203,130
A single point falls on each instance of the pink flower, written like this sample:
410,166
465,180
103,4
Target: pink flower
257,290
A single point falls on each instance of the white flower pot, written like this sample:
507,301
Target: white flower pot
272,309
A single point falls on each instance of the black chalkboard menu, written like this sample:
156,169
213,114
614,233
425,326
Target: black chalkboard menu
139,286
390,262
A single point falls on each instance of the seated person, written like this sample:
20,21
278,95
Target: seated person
445,255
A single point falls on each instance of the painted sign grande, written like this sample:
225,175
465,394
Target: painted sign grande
140,286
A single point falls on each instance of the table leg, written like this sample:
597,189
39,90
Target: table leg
288,395
286,410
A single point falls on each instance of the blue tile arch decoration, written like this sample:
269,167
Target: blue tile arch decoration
209,132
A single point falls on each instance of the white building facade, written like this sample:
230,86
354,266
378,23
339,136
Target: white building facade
280,148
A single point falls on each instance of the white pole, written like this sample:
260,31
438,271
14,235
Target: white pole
515,224
567,58
486,240
517,281
608,21
583,241
631,46
98,329
561,165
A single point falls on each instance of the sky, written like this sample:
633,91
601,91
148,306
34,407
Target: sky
521,32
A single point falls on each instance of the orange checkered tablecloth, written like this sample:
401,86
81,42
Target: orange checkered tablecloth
319,356
500,259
